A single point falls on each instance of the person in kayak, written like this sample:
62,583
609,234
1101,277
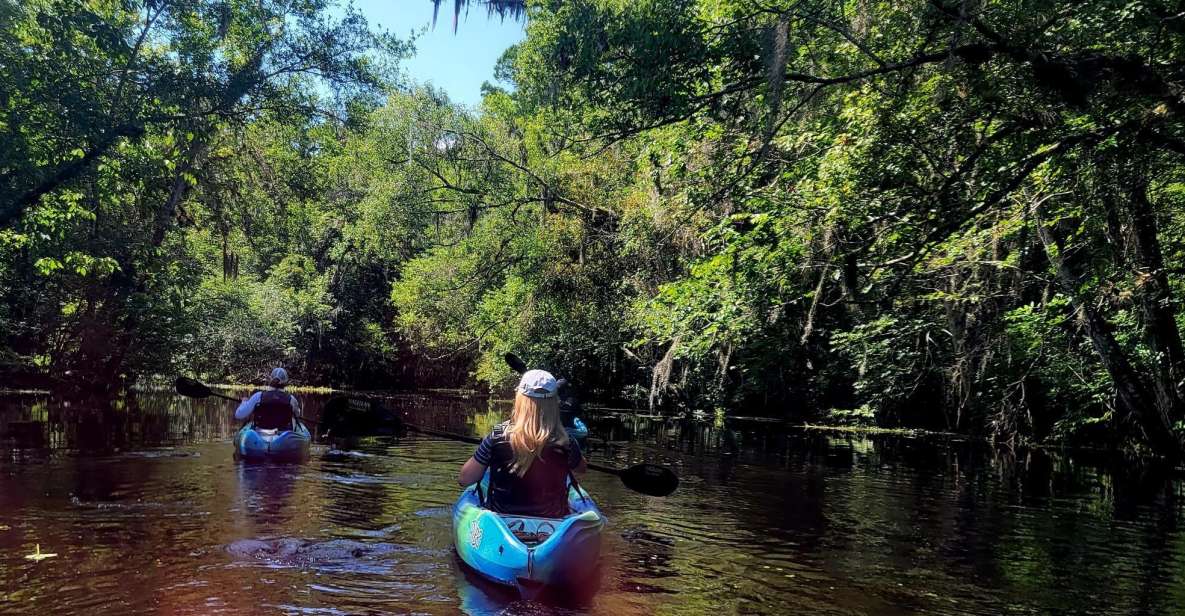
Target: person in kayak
273,409
530,457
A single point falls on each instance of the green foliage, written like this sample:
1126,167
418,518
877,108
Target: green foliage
118,120
885,207
863,416
1042,352
892,357
949,219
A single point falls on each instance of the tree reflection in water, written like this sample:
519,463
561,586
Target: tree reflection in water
146,509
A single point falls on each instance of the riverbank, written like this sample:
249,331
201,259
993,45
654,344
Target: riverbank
24,392
866,430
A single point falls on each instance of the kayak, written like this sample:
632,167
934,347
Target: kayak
578,430
253,443
529,553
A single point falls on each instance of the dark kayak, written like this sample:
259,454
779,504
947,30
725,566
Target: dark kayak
352,416
529,553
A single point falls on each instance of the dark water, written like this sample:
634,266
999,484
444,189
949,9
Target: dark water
148,513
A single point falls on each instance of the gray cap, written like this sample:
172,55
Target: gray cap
279,376
537,384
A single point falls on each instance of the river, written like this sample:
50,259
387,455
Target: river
148,513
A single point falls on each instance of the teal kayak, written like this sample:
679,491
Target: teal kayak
253,443
529,553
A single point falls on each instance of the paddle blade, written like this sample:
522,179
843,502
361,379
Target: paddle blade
515,362
650,479
191,388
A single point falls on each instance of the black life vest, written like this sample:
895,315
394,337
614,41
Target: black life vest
542,491
274,411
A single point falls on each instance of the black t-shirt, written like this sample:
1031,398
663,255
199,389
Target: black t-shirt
491,453
542,491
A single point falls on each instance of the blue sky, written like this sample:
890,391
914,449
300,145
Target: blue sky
456,63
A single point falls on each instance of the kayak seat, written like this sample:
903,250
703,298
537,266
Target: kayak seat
531,531
268,434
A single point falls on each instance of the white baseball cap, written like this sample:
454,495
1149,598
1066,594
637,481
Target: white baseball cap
279,375
537,384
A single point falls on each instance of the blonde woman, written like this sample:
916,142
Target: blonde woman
530,456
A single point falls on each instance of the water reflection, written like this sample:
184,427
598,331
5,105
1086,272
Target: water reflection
39,425
265,490
149,513
356,489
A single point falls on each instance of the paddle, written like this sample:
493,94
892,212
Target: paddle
515,362
196,389
648,479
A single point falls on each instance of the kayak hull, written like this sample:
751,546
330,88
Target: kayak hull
528,553
279,445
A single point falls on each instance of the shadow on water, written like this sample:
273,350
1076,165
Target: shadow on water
148,513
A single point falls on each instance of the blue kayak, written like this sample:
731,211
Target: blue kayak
529,553
253,443
578,430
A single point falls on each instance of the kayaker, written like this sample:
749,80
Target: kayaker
273,409
529,457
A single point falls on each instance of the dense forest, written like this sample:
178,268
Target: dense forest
954,215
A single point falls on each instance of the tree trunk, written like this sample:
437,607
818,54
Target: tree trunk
1134,395
177,192
1157,309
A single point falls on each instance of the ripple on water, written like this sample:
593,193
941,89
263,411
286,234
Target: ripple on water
161,453
375,533
356,478
309,552
346,454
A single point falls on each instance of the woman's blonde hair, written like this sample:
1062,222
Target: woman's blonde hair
534,425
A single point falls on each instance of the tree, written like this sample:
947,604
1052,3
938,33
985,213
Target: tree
843,161
97,174
515,9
